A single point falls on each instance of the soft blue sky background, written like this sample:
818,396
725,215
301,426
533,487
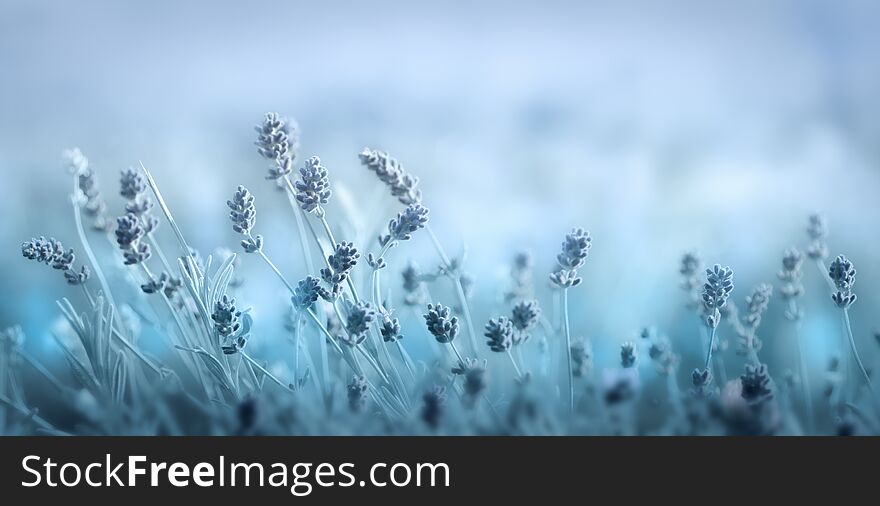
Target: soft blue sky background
659,126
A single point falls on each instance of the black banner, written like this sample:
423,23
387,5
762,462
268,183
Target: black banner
402,469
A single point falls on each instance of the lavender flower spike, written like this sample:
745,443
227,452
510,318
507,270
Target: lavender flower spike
401,228
313,187
843,274
716,290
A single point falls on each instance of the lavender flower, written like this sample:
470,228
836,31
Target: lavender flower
94,207
440,324
843,274
690,268
155,284
525,314
128,231
701,379
716,290
360,316
313,187
390,330
376,263
412,285
792,288
581,358
691,265
131,184
226,317
134,189
79,277
357,393
402,184
817,230
137,254
243,214
627,355
172,286
330,294
277,141
43,250
575,249
306,293
660,351
499,331
756,303
401,228
76,162
51,252
475,381
342,261
434,406
756,384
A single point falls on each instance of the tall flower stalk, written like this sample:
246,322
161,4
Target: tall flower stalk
843,274
716,290
791,291
575,249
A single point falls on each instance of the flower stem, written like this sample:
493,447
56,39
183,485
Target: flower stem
855,351
823,270
805,382
467,313
291,197
406,359
456,279
276,271
712,345
567,328
265,372
457,354
512,361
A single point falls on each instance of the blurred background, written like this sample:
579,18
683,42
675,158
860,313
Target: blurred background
661,127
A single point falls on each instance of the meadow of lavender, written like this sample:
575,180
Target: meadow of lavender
376,344
571,217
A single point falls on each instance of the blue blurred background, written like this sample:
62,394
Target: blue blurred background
659,126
